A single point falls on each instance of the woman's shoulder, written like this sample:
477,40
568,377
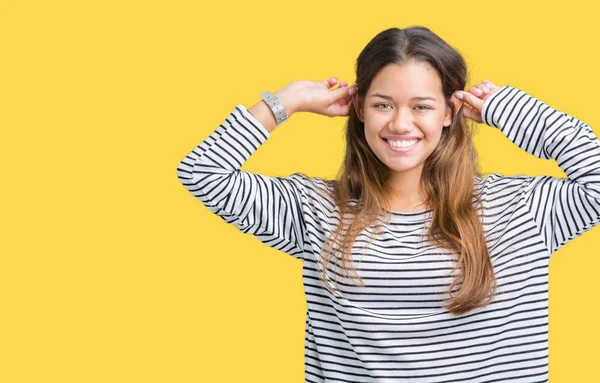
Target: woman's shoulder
317,189
312,183
494,181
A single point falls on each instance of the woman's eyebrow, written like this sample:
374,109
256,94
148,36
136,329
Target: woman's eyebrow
420,98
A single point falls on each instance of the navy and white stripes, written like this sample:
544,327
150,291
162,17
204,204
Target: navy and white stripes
394,329
267,207
563,208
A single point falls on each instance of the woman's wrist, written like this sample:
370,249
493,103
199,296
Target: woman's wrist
288,97
263,113
287,101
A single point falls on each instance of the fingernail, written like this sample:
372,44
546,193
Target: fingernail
352,90
458,95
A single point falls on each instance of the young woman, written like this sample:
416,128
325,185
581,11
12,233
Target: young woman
416,268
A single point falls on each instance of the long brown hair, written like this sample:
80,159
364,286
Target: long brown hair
447,179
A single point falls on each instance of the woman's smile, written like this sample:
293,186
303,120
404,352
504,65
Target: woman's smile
401,146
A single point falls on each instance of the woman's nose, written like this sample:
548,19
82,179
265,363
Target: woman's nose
401,121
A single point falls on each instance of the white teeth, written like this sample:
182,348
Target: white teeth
403,144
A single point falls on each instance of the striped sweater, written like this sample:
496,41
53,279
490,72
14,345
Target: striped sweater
394,329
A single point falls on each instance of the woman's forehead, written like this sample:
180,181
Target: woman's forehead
406,81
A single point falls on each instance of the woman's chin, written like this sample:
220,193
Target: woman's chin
397,165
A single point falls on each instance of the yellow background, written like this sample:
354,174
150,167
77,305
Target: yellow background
112,272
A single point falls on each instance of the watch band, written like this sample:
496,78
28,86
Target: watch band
276,107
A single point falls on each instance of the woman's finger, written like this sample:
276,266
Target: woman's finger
472,113
486,89
329,82
342,92
476,91
473,100
341,101
488,82
344,110
479,90
348,98
493,86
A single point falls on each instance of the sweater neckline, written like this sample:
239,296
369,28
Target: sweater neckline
409,214
417,216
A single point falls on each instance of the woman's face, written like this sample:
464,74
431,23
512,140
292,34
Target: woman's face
404,113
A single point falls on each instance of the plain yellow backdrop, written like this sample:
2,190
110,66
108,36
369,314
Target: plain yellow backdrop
112,272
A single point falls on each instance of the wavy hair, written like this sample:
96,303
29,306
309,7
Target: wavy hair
360,190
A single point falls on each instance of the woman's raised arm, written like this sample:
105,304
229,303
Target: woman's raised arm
562,208
270,208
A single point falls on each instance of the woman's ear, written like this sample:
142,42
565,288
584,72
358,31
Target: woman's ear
357,108
447,118
457,105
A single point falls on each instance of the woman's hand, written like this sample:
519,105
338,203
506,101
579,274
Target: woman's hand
317,97
475,97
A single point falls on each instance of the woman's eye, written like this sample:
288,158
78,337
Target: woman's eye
378,106
424,107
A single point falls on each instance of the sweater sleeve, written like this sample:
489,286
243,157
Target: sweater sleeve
269,208
562,208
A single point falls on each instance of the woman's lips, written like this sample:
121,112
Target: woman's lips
399,149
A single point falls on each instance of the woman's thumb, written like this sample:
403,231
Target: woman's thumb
343,91
476,102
